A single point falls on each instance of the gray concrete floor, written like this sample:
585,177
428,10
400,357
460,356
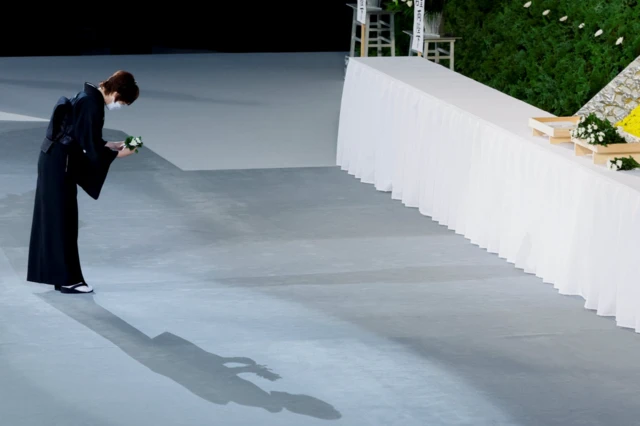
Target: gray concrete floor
286,296
203,111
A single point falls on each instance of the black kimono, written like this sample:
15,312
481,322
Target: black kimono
73,154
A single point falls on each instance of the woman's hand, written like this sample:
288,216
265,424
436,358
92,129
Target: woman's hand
125,152
115,146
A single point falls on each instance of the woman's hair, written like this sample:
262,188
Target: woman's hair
124,85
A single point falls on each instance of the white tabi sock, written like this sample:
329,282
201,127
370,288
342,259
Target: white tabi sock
84,288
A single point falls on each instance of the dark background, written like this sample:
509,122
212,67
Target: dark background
220,26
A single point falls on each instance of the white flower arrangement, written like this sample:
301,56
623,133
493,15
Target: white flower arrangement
596,131
589,133
133,143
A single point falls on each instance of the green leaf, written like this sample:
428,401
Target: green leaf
555,66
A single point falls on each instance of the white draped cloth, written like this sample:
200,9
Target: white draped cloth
464,155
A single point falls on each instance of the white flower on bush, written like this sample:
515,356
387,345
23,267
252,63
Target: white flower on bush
581,26
599,33
619,41
527,4
564,18
410,3
546,12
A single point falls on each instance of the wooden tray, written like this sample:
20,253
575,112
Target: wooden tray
602,153
550,126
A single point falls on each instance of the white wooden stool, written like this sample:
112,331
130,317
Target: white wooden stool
437,53
378,26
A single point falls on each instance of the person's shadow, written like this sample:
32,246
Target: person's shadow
202,373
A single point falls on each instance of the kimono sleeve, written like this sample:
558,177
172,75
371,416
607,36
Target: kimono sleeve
95,159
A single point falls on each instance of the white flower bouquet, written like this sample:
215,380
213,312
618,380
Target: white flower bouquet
596,131
133,143
622,163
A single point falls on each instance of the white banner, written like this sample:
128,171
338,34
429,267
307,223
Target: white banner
362,11
418,26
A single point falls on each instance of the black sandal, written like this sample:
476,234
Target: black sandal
74,289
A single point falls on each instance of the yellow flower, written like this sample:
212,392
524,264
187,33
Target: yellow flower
631,124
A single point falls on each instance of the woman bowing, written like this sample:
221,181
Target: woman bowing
73,154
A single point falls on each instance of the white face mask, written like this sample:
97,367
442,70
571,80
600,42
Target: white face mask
114,105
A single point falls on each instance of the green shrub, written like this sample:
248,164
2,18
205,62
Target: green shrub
556,66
